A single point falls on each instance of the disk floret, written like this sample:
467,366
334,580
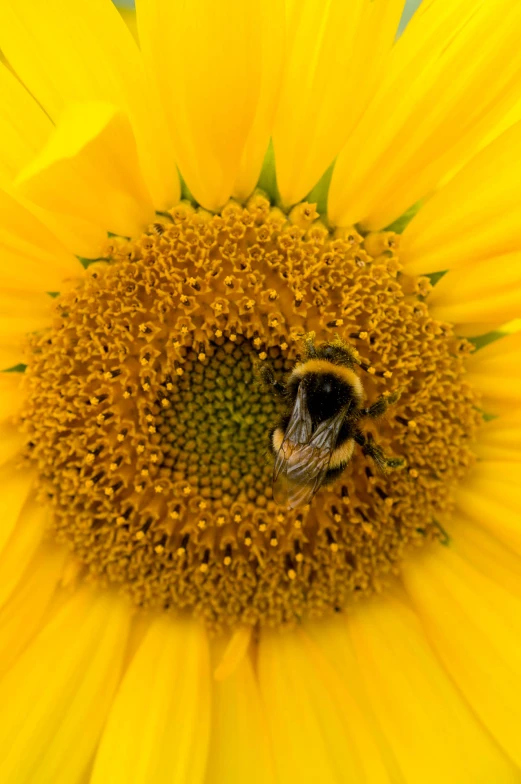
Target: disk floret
150,424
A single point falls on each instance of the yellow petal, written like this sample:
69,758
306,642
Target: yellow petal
494,514
24,127
490,496
477,215
312,717
511,327
474,624
432,732
22,312
129,17
11,394
21,546
501,471
234,653
88,169
272,57
239,746
509,118
495,371
158,727
492,293
473,329
31,256
56,696
335,58
83,51
332,638
16,484
12,351
79,236
500,439
500,492
486,552
451,76
211,87
11,442
21,617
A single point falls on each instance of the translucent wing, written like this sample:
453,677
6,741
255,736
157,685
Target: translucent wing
303,459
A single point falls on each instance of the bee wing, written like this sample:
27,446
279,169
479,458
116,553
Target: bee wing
298,433
300,427
301,466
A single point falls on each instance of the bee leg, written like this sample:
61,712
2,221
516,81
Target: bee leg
309,345
268,377
380,406
375,452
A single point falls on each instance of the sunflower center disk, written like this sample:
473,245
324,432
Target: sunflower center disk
150,425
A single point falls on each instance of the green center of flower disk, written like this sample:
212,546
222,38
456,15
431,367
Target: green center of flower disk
150,424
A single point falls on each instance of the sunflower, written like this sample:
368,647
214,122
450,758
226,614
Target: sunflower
176,217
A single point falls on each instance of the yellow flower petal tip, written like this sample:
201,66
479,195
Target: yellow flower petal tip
89,168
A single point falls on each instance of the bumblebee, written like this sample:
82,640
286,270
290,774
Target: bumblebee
316,436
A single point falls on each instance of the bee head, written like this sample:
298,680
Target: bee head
336,352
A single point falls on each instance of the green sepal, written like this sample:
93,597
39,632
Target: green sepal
401,223
434,277
318,195
186,193
87,262
268,176
16,369
480,341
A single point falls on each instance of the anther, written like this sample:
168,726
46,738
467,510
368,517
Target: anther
331,541
383,495
204,564
337,517
406,422
144,528
160,546
362,514
228,555
290,568
181,550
